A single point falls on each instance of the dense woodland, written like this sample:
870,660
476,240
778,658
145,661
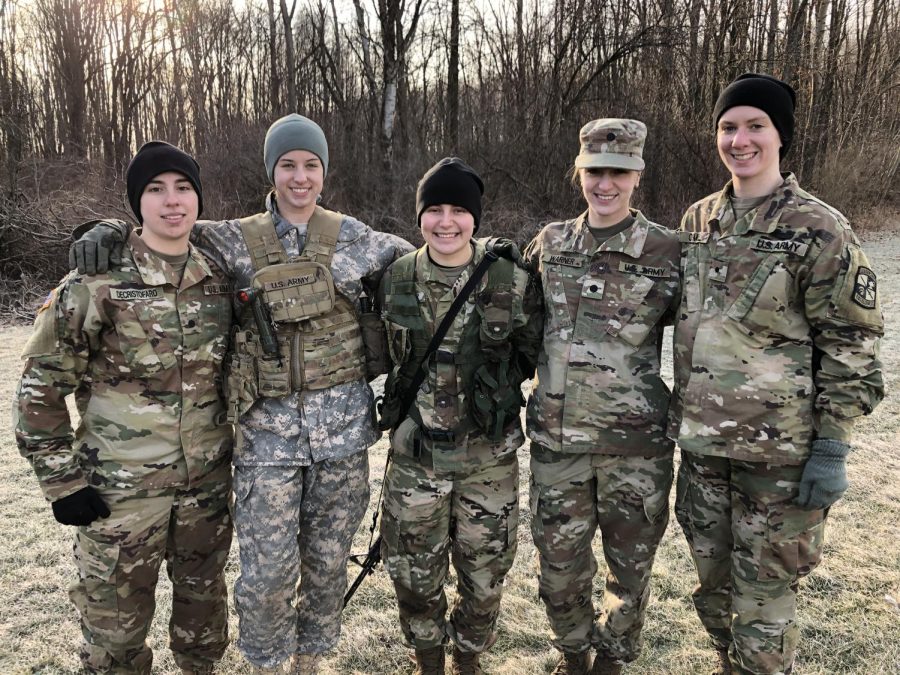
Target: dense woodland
396,84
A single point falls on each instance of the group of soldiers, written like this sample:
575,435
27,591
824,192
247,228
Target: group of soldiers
221,372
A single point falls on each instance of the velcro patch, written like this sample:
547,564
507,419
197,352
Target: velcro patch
865,288
718,273
693,237
593,289
135,293
780,246
48,301
279,284
567,260
643,270
217,289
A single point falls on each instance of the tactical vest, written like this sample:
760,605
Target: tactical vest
486,362
318,334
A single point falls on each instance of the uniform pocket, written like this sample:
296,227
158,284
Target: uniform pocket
415,556
399,345
793,544
95,593
764,304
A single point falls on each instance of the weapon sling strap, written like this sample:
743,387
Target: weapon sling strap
266,249
421,370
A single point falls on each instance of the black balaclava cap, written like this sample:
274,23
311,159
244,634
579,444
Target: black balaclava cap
154,158
450,181
774,97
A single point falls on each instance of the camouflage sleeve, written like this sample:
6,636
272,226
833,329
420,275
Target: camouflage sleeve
528,329
532,258
220,241
844,310
386,249
57,355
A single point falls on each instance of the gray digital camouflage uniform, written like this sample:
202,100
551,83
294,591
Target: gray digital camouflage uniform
596,420
301,472
776,345
142,354
457,498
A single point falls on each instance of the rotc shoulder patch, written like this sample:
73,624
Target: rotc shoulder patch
865,288
135,293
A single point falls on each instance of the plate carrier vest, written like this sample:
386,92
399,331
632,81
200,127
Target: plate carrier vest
318,333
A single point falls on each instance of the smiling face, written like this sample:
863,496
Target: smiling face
447,230
608,193
169,207
299,176
748,145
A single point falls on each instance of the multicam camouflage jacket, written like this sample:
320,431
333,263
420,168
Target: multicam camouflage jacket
143,354
307,426
598,387
776,343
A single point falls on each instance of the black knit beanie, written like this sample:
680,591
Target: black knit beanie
774,97
450,181
154,158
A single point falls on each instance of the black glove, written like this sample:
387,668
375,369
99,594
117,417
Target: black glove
98,245
506,248
824,479
80,508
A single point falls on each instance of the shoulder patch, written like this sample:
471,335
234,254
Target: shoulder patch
48,300
865,288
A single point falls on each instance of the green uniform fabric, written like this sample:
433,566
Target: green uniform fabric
776,346
777,337
596,418
598,387
456,498
142,354
572,496
751,545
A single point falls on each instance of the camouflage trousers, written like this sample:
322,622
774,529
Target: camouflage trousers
751,545
472,516
571,496
118,560
295,525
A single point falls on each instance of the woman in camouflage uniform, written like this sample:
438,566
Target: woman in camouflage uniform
775,358
452,484
596,418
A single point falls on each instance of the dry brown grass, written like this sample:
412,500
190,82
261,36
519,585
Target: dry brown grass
848,613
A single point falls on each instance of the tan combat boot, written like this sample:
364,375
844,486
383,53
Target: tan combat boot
724,665
603,665
466,663
573,664
429,661
304,664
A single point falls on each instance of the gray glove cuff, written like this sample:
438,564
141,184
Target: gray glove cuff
828,447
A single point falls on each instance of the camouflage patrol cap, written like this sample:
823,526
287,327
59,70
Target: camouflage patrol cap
612,143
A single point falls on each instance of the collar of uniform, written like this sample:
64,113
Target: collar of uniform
351,229
767,214
155,271
424,270
629,242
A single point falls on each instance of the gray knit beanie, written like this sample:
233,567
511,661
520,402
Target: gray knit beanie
294,132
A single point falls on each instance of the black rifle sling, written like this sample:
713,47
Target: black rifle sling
410,394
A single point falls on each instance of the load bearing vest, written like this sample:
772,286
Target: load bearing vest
318,333
485,360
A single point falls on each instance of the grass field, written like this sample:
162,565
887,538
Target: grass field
848,609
